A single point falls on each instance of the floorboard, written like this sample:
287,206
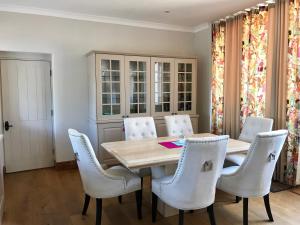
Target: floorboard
55,197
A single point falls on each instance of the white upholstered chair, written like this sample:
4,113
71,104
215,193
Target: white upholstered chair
251,127
179,125
99,183
194,184
253,178
138,128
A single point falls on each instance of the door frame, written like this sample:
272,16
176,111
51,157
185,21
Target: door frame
24,56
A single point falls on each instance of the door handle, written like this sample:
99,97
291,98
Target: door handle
7,126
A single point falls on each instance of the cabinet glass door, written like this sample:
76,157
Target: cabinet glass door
162,86
111,86
185,86
137,70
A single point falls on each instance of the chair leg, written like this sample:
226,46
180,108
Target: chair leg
120,199
245,211
237,199
98,211
154,207
210,210
268,208
138,197
181,217
86,204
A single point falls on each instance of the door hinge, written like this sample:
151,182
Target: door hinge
50,73
52,112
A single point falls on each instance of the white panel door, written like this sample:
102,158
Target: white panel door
26,93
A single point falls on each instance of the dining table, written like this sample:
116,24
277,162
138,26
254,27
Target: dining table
149,152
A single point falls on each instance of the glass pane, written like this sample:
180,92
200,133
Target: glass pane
133,108
188,67
142,87
166,67
142,98
142,76
106,110
115,98
115,76
188,87
158,67
116,109
133,65
134,87
181,106
105,87
133,76
188,77
180,67
166,77
181,87
105,76
181,97
142,108
188,106
142,66
166,87
115,64
157,87
158,108
115,87
105,64
157,97
181,77
134,98
166,97
166,107
188,97
105,98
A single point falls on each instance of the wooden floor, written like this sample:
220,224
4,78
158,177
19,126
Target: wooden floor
55,197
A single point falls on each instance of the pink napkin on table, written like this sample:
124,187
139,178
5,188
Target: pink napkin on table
169,144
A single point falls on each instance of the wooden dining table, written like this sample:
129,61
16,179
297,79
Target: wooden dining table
145,153
137,154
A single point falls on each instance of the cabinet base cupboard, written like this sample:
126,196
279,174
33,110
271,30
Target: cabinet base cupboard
129,85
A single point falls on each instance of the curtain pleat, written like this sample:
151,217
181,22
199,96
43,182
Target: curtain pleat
232,76
280,71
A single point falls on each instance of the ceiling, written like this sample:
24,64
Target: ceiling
185,15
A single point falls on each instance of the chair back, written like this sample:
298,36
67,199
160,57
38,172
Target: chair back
194,183
254,176
179,125
253,126
96,182
138,128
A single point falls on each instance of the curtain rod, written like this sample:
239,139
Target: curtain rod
245,11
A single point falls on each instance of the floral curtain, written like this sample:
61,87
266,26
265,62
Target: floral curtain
217,82
254,63
293,91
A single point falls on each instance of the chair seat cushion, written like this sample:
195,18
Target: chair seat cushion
230,170
237,159
133,181
142,172
156,184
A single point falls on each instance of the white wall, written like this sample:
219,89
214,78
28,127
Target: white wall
202,45
68,41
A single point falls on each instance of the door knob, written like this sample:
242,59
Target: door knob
7,125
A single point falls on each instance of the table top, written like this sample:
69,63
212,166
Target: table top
147,152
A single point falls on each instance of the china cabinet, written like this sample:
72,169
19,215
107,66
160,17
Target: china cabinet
130,85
